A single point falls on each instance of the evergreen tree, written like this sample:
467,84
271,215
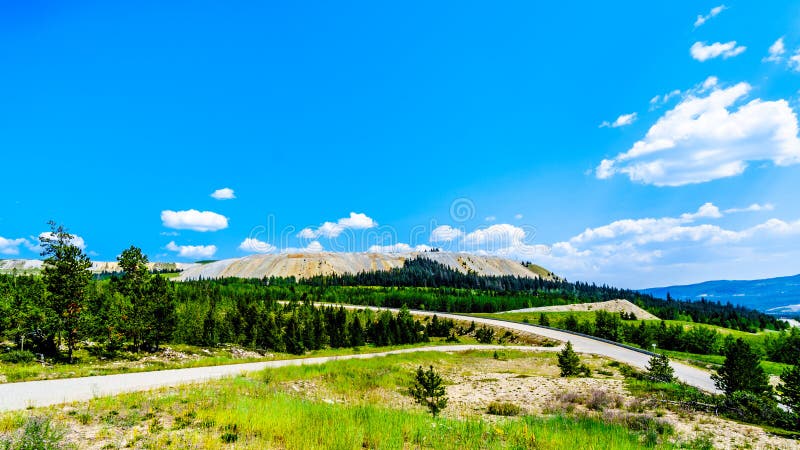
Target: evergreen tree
741,371
66,275
160,311
543,320
568,361
789,390
132,285
356,332
428,390
659,369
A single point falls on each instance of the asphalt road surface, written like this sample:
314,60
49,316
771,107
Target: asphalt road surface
16,396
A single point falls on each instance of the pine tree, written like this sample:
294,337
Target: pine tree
356,332
789,390
659,369
543,320
428,390
568,361
66,276
741,371
133,286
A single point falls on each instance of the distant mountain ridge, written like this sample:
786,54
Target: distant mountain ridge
779,296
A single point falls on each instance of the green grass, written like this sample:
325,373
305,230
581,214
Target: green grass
89,365
712,362
261,410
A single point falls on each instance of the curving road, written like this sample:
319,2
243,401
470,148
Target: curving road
582,344
15,396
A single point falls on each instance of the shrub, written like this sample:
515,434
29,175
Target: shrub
658,369
428,390
754,408
600,400
17,357
568,361
38,433
484,335
503,409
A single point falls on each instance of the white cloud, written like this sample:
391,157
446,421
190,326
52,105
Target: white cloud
312,247
710,82
398,248
254,245
776,51
490,218
192,251
356,221
704,138
76,240
702,52
755,207
701,19
445,233
194,220
650,251
11,246
518,216
623,120
794,61
496,236
223,194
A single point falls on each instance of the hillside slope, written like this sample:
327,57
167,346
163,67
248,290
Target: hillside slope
773,295
615,306
306,265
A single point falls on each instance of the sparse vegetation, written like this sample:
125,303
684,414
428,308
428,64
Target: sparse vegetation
503,409
428,390
658,369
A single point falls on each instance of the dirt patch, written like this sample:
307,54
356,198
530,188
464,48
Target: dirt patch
615,306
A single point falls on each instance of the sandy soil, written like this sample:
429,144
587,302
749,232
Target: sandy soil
611,306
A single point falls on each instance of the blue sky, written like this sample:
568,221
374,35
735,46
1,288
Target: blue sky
633,143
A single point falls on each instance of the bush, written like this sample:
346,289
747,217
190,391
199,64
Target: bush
749,407
484,335
600,400
568,361
658,369
428,390
17,357
503,409
38,433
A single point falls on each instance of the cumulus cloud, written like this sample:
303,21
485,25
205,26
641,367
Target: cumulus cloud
701,19
702,52
776,51
518,216
312,247
445,233
253,245
707,138
193,251
623,120
755,207
11,246
223,194
632,251
398,248
490,218
194,220
76,240
659,100
794,61
356,221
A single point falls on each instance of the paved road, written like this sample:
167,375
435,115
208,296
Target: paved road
15,396
688,374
